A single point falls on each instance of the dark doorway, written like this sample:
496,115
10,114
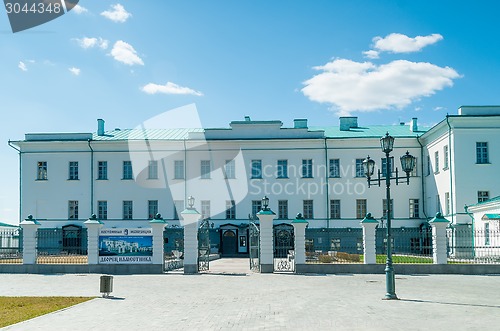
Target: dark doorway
72,239
229,243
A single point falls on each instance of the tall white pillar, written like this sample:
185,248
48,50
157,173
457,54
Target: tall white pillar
266,218
30,227
190,218
158,225
369,225
299,230
439,225
93,226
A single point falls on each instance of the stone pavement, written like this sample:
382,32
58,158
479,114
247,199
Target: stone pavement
230,297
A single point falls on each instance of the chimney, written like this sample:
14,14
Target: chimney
100,127
414,125
300,123
348,122
247,119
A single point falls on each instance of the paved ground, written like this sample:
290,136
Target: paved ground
231,297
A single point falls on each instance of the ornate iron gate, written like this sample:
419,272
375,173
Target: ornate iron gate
254,245
174,248
284,254
203,246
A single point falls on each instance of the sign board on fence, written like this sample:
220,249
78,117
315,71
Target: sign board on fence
125,246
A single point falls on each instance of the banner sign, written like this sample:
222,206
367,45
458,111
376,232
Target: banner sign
125,246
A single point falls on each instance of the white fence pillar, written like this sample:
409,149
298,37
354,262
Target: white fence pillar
299,230
93,226
439,225
158,225
266,218
30,227
369,225
190,217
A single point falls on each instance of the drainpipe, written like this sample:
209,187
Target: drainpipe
20,177
450,164
91,178
327,187
185,171
466,208
422,176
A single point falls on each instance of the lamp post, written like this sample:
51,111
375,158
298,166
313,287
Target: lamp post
407,164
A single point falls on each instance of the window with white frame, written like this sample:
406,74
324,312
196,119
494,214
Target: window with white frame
41,170
360,208
282,167
127,210
446,153
230,210
482,196
307,168
102,210
256,207
205,209
152,208
334,168
127,170
73,170
73,209
229,169
436,162
384,166
438,204
256,169
283,209
205,169
360,171
153,169
428,165
308,209
414,172
179,169
414,208
335,209
481,152
178,208
384,208
447,203
102,170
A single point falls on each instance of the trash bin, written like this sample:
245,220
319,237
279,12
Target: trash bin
106,285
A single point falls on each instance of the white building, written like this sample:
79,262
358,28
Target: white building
127,176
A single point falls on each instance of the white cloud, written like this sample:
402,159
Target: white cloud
125,53
354,86
117,14
22,66
79,10
86,43
400,43
74,71
169,88
438,108
371,54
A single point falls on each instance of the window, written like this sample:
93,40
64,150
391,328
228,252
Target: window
179,169
283,209
127,210
384,166
153,169
481,152
487,234
229,169
307,168
334,169
436,162
230,210
205,169
361,208
438,204
335,209
360,172
127,170
447,203
73,170
73,210
205,209
428,165
256,206
282,169
256,169
446,156
102,210
152,208
414,171
414,208
102,170
482,196
308,211
41,171
178,207
384,208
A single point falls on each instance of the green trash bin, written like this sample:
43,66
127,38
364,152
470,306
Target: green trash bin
106,285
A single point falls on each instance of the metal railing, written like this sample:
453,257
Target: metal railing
409,245
56,246
473,246
336,245
173,248
11,246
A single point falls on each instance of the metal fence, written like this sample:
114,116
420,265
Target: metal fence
173,247
11,245
477,246
335,245
58,246
409,245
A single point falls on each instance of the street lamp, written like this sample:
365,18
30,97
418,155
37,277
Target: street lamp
407,164
190,202
265,203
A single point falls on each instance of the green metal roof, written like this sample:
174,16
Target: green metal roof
491,217
151,134
8,225
483,202
397,131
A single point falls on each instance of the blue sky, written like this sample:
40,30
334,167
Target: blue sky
127,61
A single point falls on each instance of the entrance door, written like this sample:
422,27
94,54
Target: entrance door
229,243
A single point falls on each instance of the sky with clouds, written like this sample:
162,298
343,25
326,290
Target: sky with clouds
127,61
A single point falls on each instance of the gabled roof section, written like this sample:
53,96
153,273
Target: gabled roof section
6,225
